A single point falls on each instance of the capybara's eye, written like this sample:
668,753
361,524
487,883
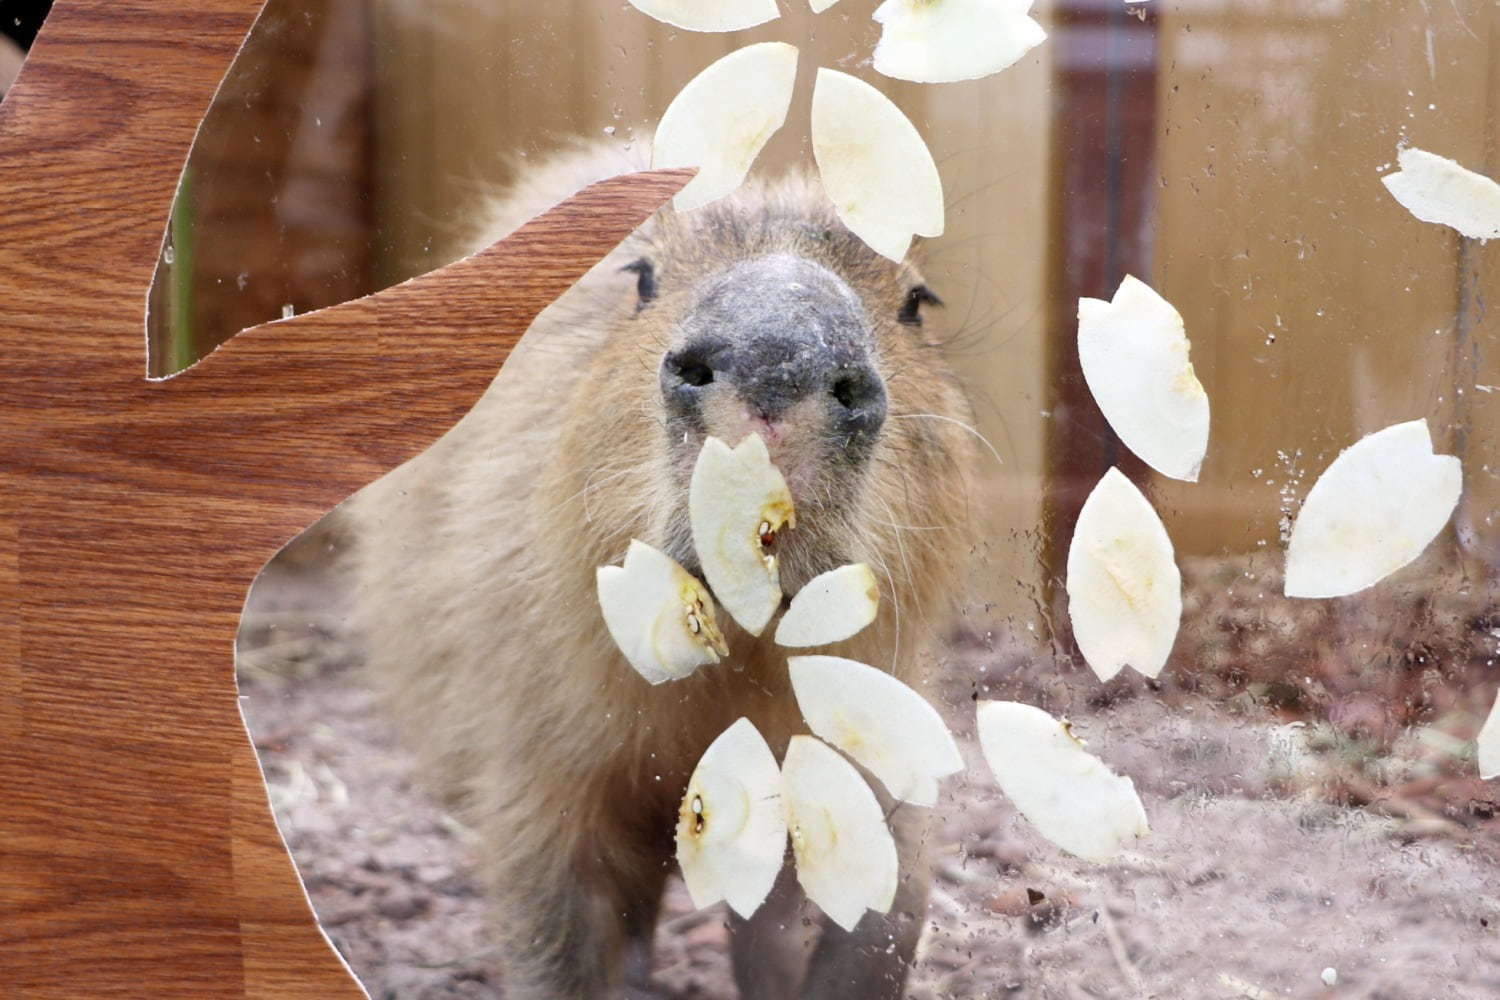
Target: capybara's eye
645,280
911,309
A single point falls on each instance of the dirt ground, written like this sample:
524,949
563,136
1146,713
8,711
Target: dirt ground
1285,841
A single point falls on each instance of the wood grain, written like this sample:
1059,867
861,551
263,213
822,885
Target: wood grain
138,856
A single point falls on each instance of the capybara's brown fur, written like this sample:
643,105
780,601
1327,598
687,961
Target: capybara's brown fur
475,566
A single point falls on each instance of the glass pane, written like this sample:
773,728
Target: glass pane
481,792
275,211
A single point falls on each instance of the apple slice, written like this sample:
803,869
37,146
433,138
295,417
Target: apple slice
877,720
660,616
710,15
941,41
1063,790
737,502
1436,189
723,118
1124,591
1134,354
731,827
1489,744
875,167
831,607
1372,511
846,857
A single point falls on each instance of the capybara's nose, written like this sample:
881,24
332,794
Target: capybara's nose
775,331
774,372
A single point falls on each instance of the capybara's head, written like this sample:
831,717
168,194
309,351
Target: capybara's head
762,314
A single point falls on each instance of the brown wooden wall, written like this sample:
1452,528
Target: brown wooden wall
1271,124
1101,201
1253,136
1319,309
354,138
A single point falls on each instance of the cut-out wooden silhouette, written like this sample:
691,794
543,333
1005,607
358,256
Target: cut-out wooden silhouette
138,855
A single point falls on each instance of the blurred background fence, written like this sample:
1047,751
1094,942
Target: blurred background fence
1227,152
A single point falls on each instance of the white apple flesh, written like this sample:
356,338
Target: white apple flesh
709,15
942,41
721,120
1061,789
1134,354
1124,589
879,721
875,167
659,614
1372,511
846,857
1436,189
1489,743
831,607
738,503
731,827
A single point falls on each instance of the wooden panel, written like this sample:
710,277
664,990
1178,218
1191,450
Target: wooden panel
138,857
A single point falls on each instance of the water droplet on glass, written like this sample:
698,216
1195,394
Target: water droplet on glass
168,254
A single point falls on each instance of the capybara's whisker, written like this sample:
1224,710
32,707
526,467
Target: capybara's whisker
938,416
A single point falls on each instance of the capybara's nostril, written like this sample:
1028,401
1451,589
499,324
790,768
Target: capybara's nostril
855,390
690,367
693,372
860,393
686,372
